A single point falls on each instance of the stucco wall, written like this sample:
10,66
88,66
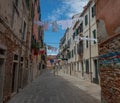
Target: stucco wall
109,12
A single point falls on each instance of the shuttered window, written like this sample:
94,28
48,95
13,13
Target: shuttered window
94,36
86,42
87,66
93,11
86,19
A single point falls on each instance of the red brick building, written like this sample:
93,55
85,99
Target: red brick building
37,42
108,24
15,46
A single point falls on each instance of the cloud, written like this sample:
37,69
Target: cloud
75,6
68,9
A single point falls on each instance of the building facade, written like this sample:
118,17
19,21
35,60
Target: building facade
108,25
35,41
38,46
15,46
82,54
90,48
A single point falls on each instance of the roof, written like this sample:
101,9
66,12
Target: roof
86,7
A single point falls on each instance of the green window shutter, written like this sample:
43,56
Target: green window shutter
27,3
32,12
74,50
16,2
86,42
73,35
72,53
93,11
86,19
94,36
76,32
87,66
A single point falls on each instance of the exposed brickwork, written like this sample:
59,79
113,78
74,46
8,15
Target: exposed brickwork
109,49
110,83
10,37
110,73
11,48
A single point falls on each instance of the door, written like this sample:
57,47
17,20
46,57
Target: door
96,80
20,76
1,78
82,69
13,87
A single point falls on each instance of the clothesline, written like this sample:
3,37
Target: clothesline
55,24
85,38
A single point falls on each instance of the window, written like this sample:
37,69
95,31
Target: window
87,66
24,29
93,11
72,53
86,19
73,35
86,42
68,55
15,57
16,2
80,47
27,3
32,12
76,33
81,27
74,49
21,59
94,36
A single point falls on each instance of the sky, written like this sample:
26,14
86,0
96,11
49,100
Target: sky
55,10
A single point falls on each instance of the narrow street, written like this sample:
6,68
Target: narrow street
48,88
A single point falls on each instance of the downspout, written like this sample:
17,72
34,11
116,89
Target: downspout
90,45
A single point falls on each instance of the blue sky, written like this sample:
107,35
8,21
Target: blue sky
52,10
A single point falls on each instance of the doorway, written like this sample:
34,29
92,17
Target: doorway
82,69
1,78
14,72
20,75
96,80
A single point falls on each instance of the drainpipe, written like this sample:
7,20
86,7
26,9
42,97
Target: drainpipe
90,45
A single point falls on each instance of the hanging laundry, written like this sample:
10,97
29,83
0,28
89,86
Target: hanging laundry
49,47
55,49
54,26
42,50
45,26
51,61
65,24
69,23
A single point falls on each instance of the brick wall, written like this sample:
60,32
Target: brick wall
108,24
11,39
110,69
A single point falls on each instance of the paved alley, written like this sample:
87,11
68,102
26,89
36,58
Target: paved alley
48,88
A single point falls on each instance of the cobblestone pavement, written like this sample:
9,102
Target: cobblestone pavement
48,88
90,88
